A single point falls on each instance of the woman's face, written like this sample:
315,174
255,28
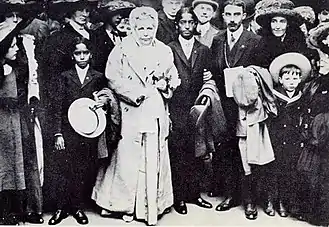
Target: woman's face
12,51
279,26
145,31
81,16
13,18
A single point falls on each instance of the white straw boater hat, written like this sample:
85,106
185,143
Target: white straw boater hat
86,118
291,58
284,8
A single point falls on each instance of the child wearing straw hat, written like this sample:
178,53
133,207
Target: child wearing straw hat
288,71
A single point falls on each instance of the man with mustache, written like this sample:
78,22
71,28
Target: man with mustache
231,49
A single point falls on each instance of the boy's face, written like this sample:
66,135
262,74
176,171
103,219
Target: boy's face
186,26
81,55
204,12
290,81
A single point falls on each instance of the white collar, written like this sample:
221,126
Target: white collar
186,42
236,34
203,28
168,16
78,28
82,73
286,98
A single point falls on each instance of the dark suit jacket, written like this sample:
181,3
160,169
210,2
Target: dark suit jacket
166,32
240,55
191,75
103,47
70,89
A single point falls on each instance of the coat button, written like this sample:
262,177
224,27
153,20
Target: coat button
130,77
284,126
284,143
298,108
126,109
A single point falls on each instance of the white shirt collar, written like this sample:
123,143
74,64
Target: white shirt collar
187,45
236,34
82,73
203,28
80,29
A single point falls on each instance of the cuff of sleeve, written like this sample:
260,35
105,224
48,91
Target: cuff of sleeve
58,134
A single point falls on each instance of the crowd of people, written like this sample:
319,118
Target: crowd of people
130,108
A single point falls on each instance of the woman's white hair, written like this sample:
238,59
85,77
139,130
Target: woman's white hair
143,13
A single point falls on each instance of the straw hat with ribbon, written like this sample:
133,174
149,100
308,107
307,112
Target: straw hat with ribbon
87,117
291,58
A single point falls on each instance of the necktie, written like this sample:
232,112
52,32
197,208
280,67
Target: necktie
232,41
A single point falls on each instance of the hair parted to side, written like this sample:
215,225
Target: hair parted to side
290,69
183,10
81,40
239,3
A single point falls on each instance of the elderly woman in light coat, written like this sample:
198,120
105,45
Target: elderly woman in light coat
141,72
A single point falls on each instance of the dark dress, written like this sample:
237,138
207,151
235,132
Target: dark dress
74,169
317,103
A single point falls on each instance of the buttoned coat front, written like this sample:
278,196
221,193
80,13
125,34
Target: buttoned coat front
142,153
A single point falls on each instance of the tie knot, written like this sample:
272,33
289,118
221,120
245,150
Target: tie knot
232,38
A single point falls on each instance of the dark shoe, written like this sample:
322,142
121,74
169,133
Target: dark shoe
269,208
34,218
202,203
59,216
250,211
80,217
10,220
180,207
227,204
282,210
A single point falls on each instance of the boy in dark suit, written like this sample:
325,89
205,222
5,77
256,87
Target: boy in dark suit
192,61
74,155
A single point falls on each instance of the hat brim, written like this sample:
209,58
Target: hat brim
105,14
264,17
214,4
59,10
291,58
100,114
316,33
27,9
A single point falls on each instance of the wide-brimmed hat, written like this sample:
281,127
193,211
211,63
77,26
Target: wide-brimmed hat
8,32
109,8
57,9
86,118
213,3
21,6
272,8
307,13
291,58
317,35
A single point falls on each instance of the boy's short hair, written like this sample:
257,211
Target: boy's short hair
239,3
290,69
183,10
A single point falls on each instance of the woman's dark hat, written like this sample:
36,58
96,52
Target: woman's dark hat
108,9
26,8
8,32
272,8
57,9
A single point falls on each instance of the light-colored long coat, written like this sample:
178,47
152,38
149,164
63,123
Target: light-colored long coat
139,172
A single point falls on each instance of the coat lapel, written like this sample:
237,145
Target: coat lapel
180,52
194,53
241,45
73,75
88,78
221,48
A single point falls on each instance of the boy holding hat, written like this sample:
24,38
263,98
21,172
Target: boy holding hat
288,71
205,11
